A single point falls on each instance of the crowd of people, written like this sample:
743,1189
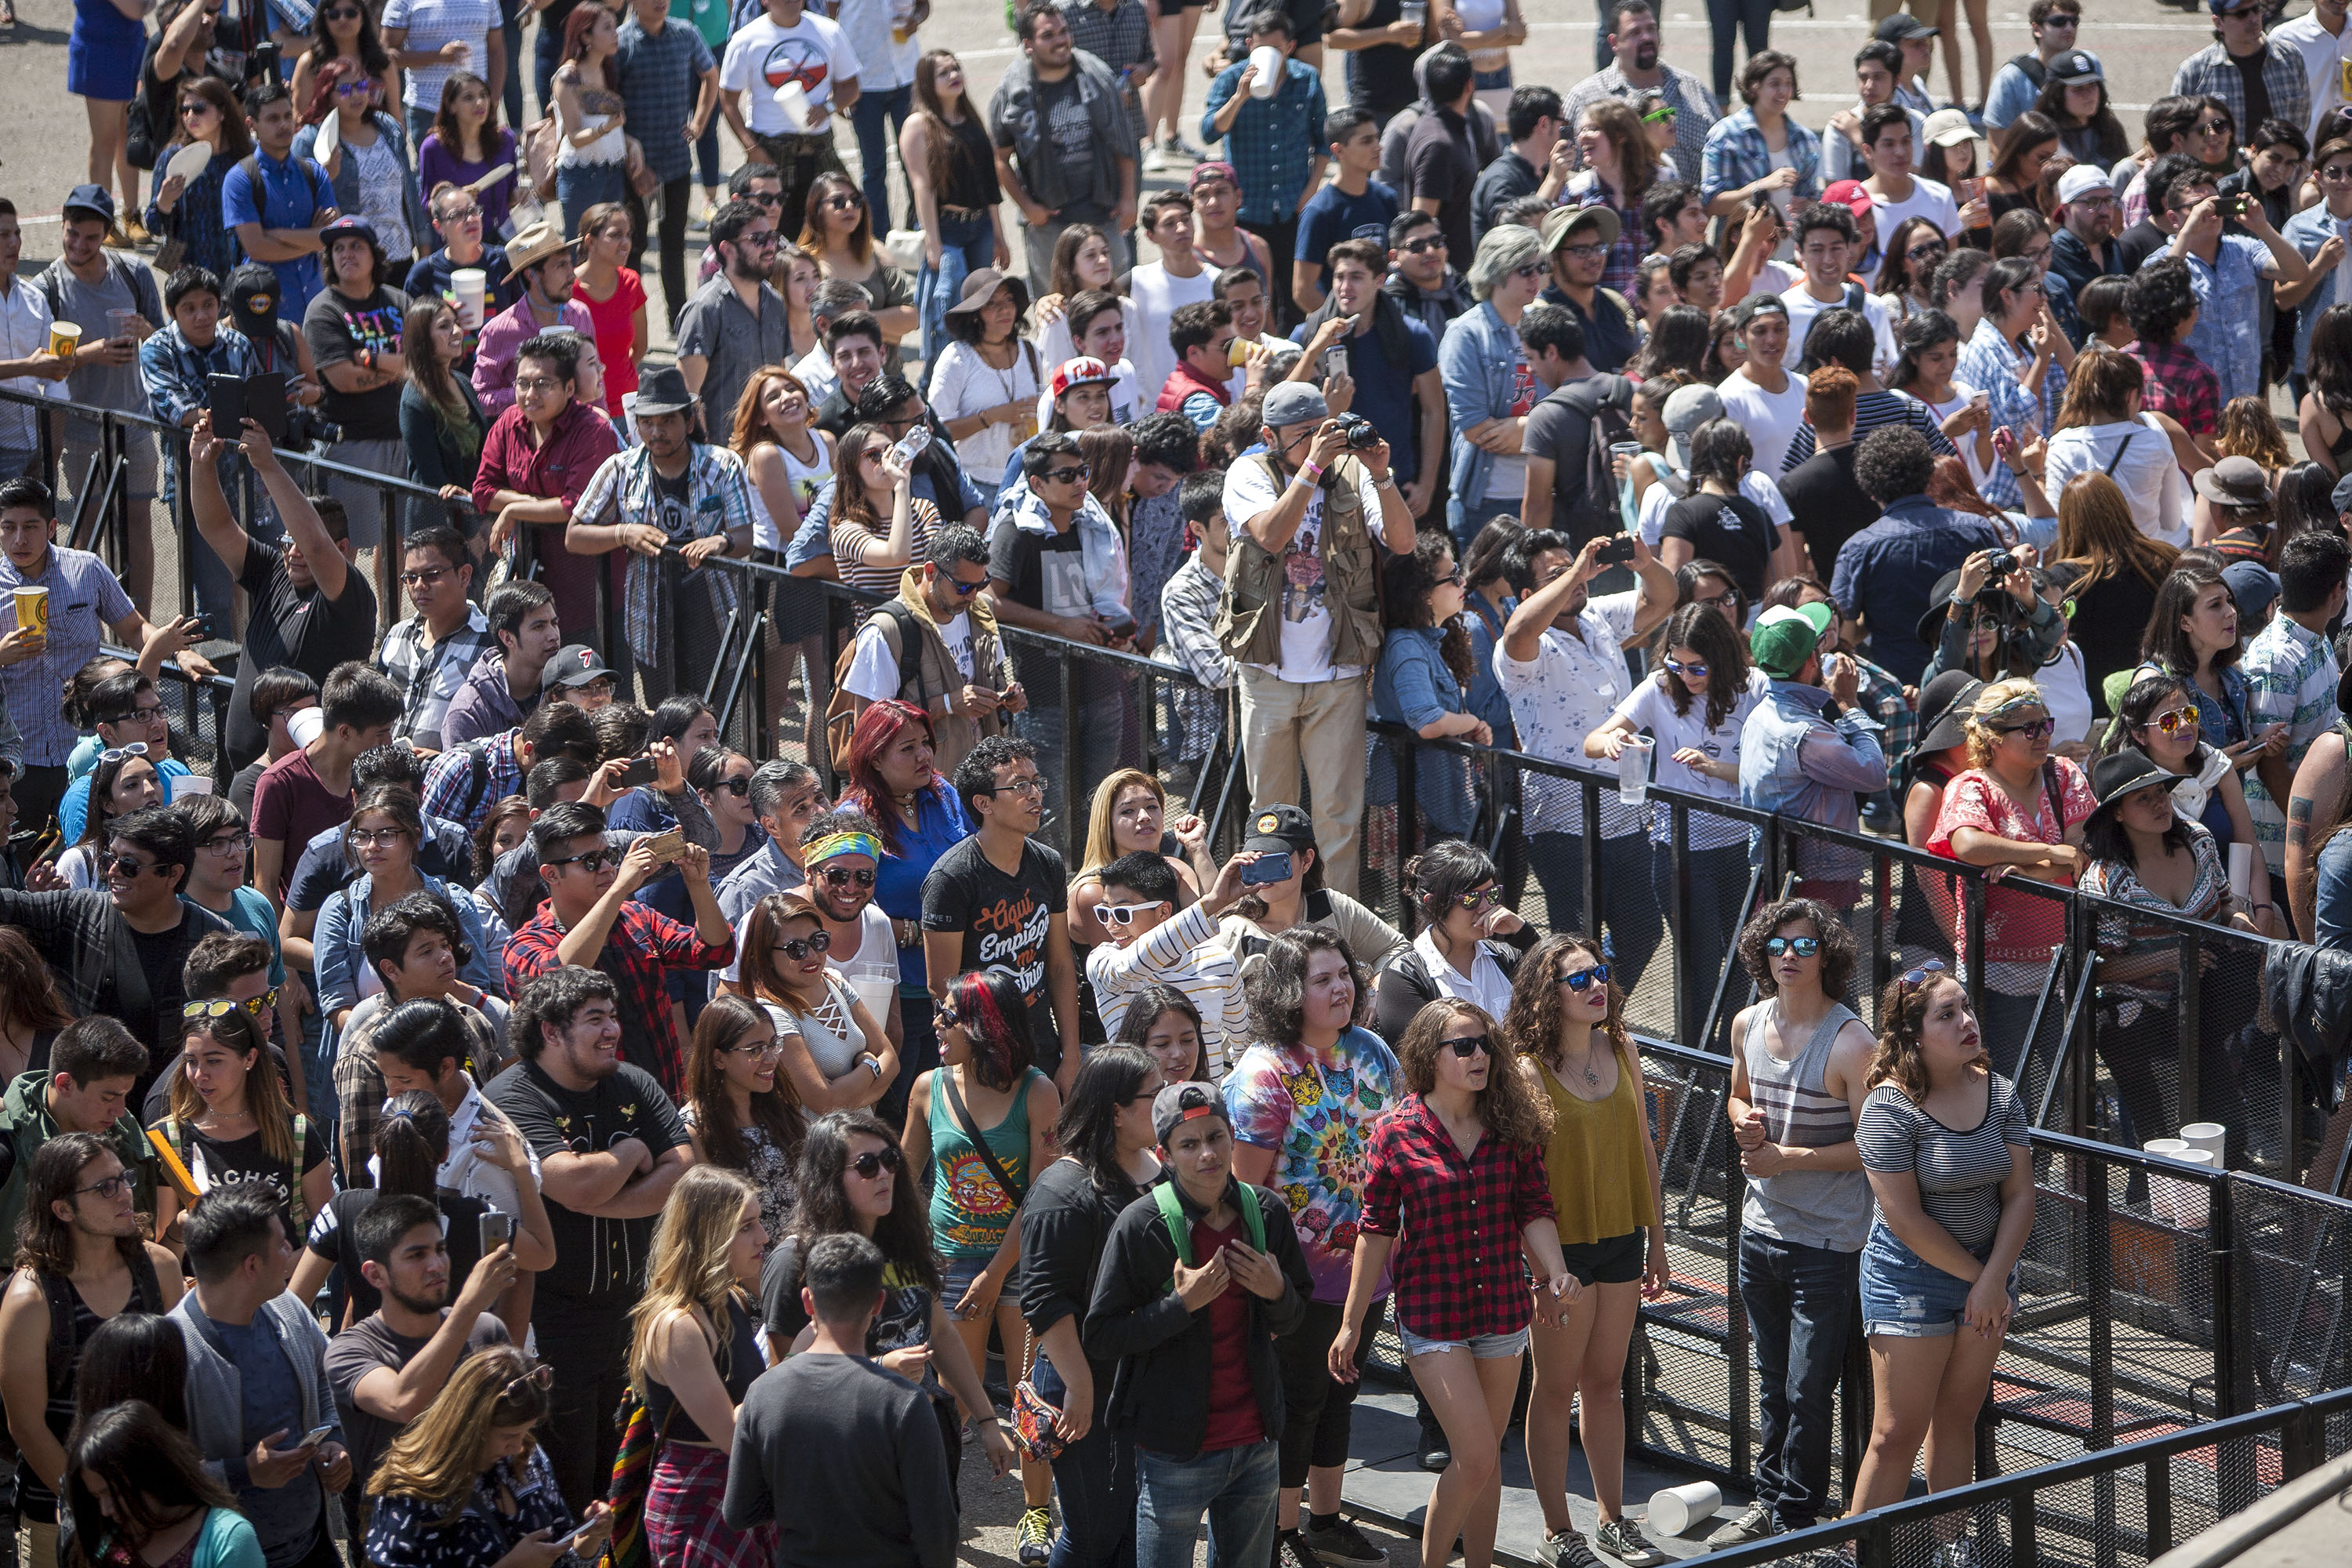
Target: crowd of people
480,1113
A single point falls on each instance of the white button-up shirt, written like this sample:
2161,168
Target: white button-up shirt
1563,694
23,333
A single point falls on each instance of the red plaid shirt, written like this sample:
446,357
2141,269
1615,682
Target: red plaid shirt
643,947
2179,384
1459,1269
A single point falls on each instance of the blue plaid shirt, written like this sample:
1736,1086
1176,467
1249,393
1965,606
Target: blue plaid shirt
621,491
1735,156
1274,141
2229,291
174,369
660,75
1991,364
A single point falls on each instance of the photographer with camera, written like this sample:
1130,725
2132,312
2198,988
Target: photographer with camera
1988,618
2245,269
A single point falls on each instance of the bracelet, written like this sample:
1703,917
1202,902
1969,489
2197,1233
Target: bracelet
1386,481
1311,471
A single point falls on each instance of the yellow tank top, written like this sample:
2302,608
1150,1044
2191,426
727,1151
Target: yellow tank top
1599,1175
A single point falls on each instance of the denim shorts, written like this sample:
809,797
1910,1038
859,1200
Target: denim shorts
1904,1295
1482,1347
956,1275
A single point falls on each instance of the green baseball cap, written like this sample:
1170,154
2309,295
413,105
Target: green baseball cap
1784,638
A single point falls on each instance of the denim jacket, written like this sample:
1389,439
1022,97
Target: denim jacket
340,961
347,187
1479,360
2307,231
1793,763
1412,687
1105,556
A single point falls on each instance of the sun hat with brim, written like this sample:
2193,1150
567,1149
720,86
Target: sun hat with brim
1561,222
1785,637
2125,773
1944,704
1948,128
533,245
663,390
977,290
2234,481
1939,601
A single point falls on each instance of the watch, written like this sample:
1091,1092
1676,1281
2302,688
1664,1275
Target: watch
874,1066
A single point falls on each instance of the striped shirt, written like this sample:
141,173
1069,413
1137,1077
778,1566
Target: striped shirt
2290,678
1828,1209
853,541
1959,1173
1873,411
1184,951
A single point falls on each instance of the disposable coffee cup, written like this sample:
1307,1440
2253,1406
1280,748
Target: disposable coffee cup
65,337
2191,1201
33,610
1269,61
2210,1136
472,287
1633,770
1676,1509
1238,355
793,100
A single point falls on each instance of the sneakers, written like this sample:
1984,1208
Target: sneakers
1623,1540
1959,1553
1342,1545
1433,1453
1567,1549
1034,1534
1754,1525
1290,1551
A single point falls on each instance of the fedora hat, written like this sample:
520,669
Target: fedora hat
663,390
978,289
532,245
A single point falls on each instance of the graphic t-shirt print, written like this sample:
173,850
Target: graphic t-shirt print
1302,567
802,60
978,1196
1010,936
374,330
1317,1117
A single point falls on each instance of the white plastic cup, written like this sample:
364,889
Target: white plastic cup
2163,1192
2209,1136
472,287
1268,61
793,100
1633,770
1676,1509
2192,1200
2241,870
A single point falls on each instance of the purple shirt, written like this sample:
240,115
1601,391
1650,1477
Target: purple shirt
502,336
436,163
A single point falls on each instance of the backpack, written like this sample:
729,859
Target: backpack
175,1134
1179,1229
2030,65
1602,400
840,714
138,279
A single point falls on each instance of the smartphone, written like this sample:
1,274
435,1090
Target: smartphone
1125,628
266,404
913,443
1266,869
1615,550
201,631
563,1543
495,1229
225,397
639,770
314,1436
670,845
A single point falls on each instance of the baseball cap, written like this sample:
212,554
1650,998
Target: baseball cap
1785,637
1851,195
2253,585
349,226
1688,408
1084,371
575,664
1215,169
1294,403
2082,180
2077,67
1181,1102
1761,304
1278,830
1948,128
95,200
1901,27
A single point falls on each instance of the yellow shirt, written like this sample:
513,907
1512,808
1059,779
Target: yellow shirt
1599,1175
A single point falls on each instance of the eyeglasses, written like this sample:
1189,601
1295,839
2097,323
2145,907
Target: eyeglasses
844,202
128,864
424,579
1126,914
593,861
1019,786
766,239
2038,255
1068,476
800,947
1924,250
841,877
460,214
112,1186
874,1161
1469,1046
536,384
1719,601
2032,729
1585,977
1584,252
229,843
145,714
375,837
1914,976
544,1376
2178,719
1423,246
1693,671
757,1053
1452,581
1802,946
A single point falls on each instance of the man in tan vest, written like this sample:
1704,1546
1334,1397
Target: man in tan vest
1300,619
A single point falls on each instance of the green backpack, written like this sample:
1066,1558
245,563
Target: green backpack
1179,1229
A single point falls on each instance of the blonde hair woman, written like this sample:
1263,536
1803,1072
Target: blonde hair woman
694,1351
1129,814
468,1483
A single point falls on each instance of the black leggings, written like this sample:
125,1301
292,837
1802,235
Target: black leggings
1317,1405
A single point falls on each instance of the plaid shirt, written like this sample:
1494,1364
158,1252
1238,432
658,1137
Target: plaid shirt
1188,639
429,678
643,947
2211,72
1992,364
660,73
1120,37
450,781
1695,109
1458,1270
1589,190
621,491
1882,697
1737,154
2179,384
1274,142
359,1082
2291,677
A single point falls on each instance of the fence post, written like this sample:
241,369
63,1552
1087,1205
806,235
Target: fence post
1678,911
2157,1490
2100,1292
1406,769
1588,797
2192,948
2025,1550
2081,1051
2232,1357
1972,923
1741,1348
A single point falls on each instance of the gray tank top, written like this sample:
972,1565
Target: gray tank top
1829,1209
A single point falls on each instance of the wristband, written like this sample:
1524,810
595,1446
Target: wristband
1312,472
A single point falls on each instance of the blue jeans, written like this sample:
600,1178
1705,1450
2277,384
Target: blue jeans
510,90
706,157
420,125
1800,1302
1752,17
546,55
1096,1478
966,246
1718,882
1465,519
874,146
1629,907
579,186
1236,1488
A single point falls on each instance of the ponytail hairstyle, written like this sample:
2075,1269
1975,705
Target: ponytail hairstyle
411,1143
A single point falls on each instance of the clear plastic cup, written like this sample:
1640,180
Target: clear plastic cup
1633,770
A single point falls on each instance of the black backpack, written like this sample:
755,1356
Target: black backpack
2035,72
1594,511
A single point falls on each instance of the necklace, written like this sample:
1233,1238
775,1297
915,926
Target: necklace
1592,1073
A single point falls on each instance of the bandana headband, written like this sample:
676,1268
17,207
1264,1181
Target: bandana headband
837,844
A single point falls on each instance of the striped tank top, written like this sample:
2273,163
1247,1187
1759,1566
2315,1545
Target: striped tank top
1828,1209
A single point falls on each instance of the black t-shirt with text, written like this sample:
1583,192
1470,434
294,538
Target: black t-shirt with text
593,1256
298,627
341,330
231,1161
1730,529
1004,922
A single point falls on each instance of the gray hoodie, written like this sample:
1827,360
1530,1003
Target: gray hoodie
286,1518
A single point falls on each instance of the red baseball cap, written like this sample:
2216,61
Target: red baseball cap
1849,194
1084,371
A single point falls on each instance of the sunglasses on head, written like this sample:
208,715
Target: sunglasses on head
1584,978
1469,1046
122,753
1802,946
874,1161
544,1376
843,876
800,947
1914,976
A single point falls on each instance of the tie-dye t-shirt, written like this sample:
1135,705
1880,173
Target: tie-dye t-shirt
1316,1113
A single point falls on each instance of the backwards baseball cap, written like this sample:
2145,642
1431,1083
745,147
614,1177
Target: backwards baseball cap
2081,181
1785,637
1278,830
1084,371
1294,403
1851,195
1215,169
1688,408
1765,303
1181,1102
2077,68
575,665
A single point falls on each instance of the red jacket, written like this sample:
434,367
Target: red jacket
1183,382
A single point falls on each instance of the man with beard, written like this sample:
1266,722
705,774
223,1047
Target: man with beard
542,258
1633,40
388,1367
737,322
2083,247
78,1249
611,1146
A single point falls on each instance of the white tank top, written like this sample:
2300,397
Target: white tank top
804,479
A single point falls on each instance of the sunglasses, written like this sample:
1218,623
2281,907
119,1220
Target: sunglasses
1068,476
593,861
1914,976
802,946
422,579
1925,249
737,787
874,1161
965,590
129,865
841,877
1583,978
1469,1046
2170,723
843,203
1661,115
1719,601
1688,671
1423,246
1534,270
199,106
1802,946
2032,729
1126,914
1476,896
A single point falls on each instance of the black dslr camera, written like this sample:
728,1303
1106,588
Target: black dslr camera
1361,436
